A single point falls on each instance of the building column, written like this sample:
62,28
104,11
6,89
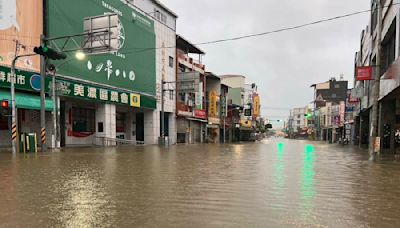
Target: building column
151,126
106,116
172,128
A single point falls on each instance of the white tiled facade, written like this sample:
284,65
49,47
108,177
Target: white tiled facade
165,37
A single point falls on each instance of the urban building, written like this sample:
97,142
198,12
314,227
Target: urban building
213,91
104,98
243,108
297,119
191,91
333,92
379,50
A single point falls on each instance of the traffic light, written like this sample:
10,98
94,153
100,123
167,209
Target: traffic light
5,109
49,53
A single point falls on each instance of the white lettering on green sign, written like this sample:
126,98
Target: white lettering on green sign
79,90
124,98
92,92
114,96
103,95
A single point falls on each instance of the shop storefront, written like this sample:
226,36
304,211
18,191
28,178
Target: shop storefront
191,126
213,130
27,100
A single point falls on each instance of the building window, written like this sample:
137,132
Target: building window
334,95
389,47
298,116
337,86
298,122
163,18
120,122
171,61
83,120
160,16
182,97
157,14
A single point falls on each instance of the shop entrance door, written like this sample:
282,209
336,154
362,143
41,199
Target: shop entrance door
140,127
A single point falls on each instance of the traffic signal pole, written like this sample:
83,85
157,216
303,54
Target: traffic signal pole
13,109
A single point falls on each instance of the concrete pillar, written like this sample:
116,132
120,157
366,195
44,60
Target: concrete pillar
106,115
172,128
151,126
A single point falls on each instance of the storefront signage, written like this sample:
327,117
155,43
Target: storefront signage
213,120
29,81
199,96
200,114
78,90
224,106
256,106
24,80
135,100
212,109
364,73
185,113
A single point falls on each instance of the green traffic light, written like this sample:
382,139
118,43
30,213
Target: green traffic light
45,49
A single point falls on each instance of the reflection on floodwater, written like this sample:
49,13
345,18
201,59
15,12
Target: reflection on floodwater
285,183
307,179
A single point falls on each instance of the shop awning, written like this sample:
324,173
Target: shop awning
26,101
200,120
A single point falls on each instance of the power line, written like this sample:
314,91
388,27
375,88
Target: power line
274,31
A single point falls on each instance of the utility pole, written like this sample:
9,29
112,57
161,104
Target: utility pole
375,107
13,109
42,98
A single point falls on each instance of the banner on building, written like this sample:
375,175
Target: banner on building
125,68
20,20
364,73
200,114
212,109
256,106
224,106
199,97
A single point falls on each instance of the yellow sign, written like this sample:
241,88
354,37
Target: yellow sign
212,110
256,106
246,123
135,100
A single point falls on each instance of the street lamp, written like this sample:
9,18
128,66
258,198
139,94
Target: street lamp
80,55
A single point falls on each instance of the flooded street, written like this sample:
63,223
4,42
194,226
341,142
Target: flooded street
275,183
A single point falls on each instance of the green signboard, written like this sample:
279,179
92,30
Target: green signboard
24,80
132,67
28,81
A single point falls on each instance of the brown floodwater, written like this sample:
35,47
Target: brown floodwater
274,183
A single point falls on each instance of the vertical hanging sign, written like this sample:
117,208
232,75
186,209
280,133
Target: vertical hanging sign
212,109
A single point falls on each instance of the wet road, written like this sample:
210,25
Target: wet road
275,183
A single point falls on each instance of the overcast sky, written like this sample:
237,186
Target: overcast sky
283,65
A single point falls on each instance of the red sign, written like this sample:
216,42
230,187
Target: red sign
200,114
364,73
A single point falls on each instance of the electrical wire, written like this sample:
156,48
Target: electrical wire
273,31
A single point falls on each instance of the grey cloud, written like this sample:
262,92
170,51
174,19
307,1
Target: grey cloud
284,65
